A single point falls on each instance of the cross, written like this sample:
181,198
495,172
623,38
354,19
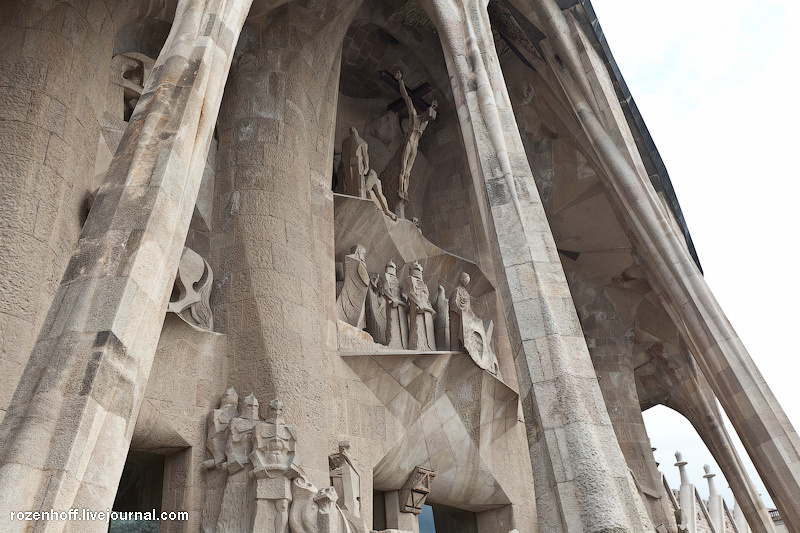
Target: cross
415,94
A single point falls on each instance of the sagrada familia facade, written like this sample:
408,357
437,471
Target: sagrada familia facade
325,266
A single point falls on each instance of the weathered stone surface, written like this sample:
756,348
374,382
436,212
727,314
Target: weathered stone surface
725,362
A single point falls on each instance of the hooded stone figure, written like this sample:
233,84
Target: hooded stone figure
469,331
350,305
441,324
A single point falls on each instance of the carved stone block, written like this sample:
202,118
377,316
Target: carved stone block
191,295
416,489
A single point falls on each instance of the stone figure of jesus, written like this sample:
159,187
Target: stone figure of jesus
416,125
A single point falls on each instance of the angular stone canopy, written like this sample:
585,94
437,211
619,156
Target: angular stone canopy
451,411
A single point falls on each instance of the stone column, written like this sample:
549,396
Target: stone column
65,437
53,71
272,247
687,501
396,518
739,519
580,475
765,431
715,509
611,347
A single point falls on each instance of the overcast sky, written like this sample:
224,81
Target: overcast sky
717,85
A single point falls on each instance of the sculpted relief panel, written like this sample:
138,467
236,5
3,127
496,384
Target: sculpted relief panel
401,316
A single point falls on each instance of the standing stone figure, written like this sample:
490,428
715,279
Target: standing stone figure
218,422
472,332
355,161
441,324
376,311
346,479
234,516
416,125
350,303
274,465
421,335
396,316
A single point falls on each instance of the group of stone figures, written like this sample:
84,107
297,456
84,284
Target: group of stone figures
255,483
401,316
358,179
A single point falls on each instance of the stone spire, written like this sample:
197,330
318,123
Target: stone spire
715,510
687,501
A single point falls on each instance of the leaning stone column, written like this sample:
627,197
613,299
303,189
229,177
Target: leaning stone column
762,425
65,437
581,480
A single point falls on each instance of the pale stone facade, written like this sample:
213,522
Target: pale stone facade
474,321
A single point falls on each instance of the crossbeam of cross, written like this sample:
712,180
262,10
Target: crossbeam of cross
415,94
